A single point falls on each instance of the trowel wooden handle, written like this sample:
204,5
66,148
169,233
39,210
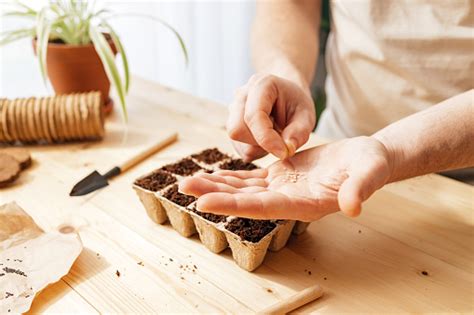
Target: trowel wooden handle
293,302
148,152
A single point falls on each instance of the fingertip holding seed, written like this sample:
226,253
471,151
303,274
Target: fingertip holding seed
290,148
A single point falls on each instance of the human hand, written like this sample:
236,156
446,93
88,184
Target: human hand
306,187
270,115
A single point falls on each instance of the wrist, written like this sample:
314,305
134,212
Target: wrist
392,156
284,68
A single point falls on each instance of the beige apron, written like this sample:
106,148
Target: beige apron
388,59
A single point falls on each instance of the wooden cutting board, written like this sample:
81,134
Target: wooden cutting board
411,250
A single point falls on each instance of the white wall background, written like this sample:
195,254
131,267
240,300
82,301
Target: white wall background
216,33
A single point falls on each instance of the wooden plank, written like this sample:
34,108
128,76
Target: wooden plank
59,298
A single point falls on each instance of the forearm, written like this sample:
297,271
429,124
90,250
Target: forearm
437,139
285,39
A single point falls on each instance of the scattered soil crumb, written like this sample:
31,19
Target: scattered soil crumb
360,231
141,263
171,259
117,273
425,273
269,290
309,273
325,278
182,278
13,270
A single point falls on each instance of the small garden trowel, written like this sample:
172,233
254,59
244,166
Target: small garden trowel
95,180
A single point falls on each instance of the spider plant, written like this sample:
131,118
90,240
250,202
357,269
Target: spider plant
76,22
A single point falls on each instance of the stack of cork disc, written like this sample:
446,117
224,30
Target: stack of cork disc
53,119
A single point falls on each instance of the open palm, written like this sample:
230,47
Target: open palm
306,187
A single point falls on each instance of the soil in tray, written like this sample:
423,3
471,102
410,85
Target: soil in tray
250,230
216,218
237,165
185,167
156,181
173,195
210,156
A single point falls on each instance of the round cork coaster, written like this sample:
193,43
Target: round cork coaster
77,116
57,118
101,115
64,122
9,170
4,118
97,114
31,118
45,107
17,119
22,156
85,115
2,133
20,121
36,118
24,119
53,130
72,126
87,103
11,120
90,107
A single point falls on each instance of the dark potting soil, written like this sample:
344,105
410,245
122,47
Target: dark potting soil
216,218
156,181
210,156
237,165
175,196
185,167
249,229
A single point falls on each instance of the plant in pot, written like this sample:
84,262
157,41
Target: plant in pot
76,47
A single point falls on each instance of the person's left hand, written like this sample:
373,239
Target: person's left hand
306,187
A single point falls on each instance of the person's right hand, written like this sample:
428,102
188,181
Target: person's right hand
270,115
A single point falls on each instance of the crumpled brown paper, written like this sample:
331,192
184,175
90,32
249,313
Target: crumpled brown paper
30,259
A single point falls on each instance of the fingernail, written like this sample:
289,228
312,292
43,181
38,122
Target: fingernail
290,147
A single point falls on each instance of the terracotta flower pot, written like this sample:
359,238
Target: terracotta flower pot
77,68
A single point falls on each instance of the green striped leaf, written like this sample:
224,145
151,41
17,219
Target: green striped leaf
108,60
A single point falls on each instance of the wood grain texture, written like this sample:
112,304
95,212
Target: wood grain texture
411,251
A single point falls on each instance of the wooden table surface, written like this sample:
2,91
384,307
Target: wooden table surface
412,250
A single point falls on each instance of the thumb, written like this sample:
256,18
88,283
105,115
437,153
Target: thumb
298,130
351,195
